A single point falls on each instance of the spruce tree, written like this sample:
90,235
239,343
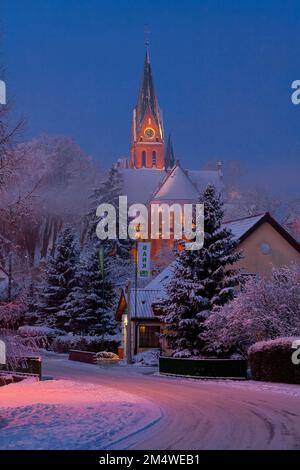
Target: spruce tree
118,252
90,303
31,316
202,279
60,279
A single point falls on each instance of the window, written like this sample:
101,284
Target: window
149,336
153,158
143,158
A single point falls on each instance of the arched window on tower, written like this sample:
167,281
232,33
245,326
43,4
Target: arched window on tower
153,158
143,158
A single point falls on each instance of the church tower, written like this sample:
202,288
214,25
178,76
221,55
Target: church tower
147,142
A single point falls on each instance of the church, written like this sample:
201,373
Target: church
152,175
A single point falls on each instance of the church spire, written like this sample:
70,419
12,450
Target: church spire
169,158
147,99
147,142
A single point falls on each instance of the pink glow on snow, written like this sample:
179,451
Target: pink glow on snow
62,414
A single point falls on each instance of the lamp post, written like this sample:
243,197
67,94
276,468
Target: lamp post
128,336
129,340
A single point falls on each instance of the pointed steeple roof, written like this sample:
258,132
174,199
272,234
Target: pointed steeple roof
147,96
169,158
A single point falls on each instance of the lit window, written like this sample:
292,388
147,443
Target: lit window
149,336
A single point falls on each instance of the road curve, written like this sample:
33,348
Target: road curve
196,414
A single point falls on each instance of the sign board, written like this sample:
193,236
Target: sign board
2,353
144,259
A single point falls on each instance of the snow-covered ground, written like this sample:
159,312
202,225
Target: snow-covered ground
122,407
198,414
61,414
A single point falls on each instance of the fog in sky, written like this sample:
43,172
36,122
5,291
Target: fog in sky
223,72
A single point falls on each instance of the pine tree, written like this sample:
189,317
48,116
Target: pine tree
60,279
118,252
90,303
202,279
31,316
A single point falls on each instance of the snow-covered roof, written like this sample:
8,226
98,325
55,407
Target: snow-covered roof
161,280
176,186
152,293
241,226
145,184
144,299
139,184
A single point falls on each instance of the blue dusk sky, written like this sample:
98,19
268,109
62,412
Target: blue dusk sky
222,69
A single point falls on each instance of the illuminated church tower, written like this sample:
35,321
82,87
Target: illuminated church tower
147,142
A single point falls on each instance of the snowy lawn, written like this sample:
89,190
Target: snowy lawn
61,414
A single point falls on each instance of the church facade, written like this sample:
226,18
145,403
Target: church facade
152,174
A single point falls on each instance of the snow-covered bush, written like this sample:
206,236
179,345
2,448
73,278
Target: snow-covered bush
107,355
63,344
147,358
17,347
272,361
39,331
42,335
263,310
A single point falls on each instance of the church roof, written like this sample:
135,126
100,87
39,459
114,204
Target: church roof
150,184
176,186
147,96
139,184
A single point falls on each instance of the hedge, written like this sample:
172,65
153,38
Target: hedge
271,361
63,344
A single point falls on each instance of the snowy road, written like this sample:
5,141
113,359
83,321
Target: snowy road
199,414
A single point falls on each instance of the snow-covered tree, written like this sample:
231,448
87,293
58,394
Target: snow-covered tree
264,309
31,316
50,190
201,280
118,252
60,278
250,200
89,304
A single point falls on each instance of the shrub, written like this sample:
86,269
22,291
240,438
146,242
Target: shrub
263,310
147,358
272,361
42,335
63,344
107,355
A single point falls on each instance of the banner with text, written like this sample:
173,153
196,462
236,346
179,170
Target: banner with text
144,259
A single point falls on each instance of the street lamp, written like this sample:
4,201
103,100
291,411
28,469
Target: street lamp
137,237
